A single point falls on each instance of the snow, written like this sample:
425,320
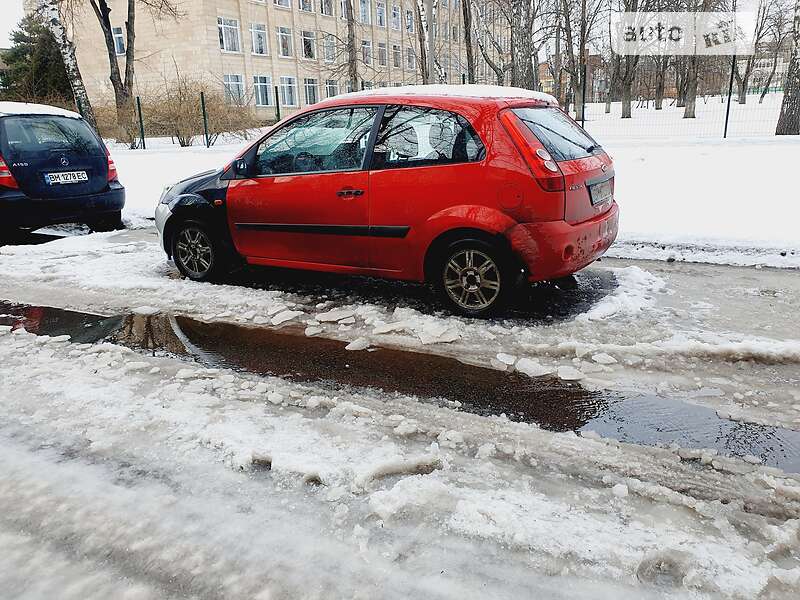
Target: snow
457,91
29,108
190,480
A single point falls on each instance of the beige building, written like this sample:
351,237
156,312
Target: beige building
250,47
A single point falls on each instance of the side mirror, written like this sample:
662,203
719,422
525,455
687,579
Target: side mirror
241,167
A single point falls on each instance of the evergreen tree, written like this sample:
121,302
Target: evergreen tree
35,68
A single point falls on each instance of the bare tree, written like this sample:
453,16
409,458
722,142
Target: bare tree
765,7
789,119
123,86
579,18
780,28
53,19
466,17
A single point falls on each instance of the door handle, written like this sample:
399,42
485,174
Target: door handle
349,192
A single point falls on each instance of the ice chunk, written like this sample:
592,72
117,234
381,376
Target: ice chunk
361,343
569,374
532,368
312,331
508,359
603,358
286,315
337,314
620,490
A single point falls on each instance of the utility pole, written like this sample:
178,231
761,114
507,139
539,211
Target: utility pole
429,20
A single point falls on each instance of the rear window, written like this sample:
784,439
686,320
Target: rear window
29,136
561,136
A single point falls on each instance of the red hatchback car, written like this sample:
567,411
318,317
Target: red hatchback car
470,188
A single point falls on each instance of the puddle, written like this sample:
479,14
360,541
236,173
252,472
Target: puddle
551,403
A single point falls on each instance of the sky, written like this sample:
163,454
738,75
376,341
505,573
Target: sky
12,13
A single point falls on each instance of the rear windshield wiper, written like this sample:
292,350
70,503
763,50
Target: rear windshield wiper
592,148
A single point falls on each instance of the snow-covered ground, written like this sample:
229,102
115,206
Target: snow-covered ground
125,475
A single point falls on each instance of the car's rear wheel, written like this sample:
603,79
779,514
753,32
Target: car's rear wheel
110,222
198,253
474,278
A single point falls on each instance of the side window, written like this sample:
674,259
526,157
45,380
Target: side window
333,140
413,136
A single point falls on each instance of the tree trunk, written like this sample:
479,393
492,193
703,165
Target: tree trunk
789,119
423,43
768,82
627,85
661,72
466,13
691,88
522,71
352,56
52,20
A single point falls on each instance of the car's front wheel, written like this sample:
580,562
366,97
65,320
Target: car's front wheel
197,253
475,278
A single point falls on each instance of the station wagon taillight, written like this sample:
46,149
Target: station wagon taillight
544,169
6,178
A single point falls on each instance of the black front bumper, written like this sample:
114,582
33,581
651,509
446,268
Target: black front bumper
18,210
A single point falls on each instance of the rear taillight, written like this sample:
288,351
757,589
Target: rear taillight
544,169
6,178
112,168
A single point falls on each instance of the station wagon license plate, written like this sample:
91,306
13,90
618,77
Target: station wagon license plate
601,192
66,177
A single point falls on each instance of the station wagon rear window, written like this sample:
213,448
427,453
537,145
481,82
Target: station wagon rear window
24,137
561,136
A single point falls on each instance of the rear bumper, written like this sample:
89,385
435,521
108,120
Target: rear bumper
18,210
555,249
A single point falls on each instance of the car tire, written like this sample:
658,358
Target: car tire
109,222
474,278
198,253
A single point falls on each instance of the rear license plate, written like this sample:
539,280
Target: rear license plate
601,192
65,177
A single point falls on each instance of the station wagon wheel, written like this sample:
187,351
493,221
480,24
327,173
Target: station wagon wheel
196,252
474,278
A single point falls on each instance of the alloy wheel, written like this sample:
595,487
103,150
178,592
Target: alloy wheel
195,252
472,279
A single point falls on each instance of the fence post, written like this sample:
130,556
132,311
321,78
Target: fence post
463,78
277,104
141,122
583,92
205,118
730,93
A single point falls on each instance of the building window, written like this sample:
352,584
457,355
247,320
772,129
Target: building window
309,44
262,88
331,88
366,52
283,3
288,89
312,93
411,60
395,17
364,12
397,56
234,89
329,47
119,41
228,34
306,5
258,33
382,58
343,4
326,7
284,41
409,21
380,13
